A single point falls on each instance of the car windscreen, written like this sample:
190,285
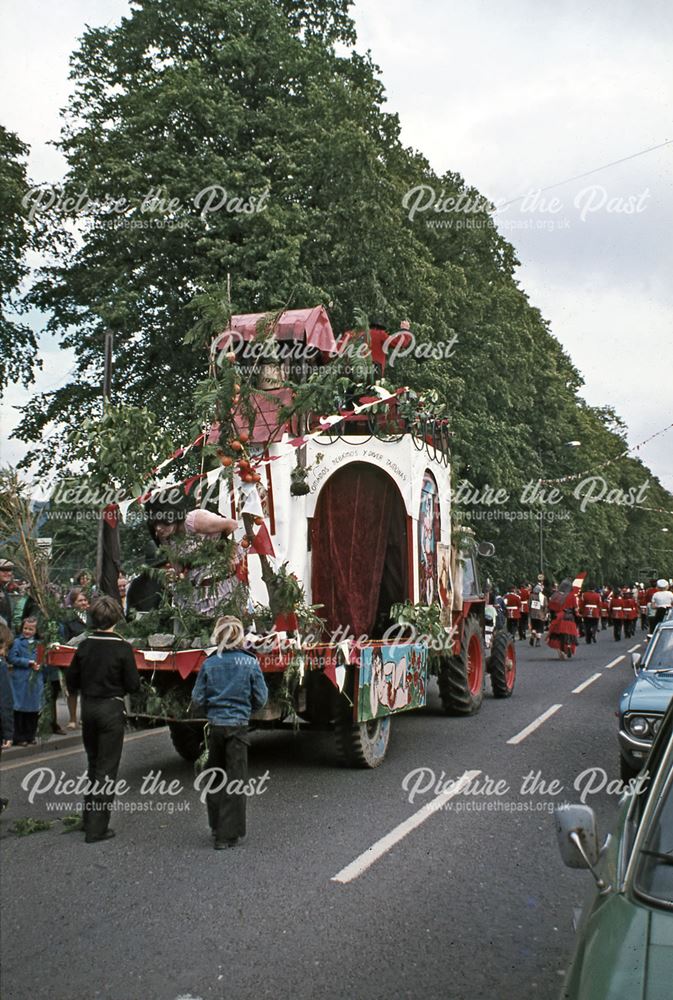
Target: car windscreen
654,871
660,655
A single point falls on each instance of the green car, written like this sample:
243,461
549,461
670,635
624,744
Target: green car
625,939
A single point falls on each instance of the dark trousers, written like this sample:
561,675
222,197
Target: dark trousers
523,624
659,616
55,692
25,726
537,626
617,627
228,749
512,625
103,736
590,627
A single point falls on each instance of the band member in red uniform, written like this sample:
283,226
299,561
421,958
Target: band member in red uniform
590,610
524,595
563,629
642,607
512,610
617,613
630,613
605,608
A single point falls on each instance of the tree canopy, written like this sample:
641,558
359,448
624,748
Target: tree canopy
247,139
18,347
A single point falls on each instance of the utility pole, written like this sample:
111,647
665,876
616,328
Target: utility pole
107,367
107,386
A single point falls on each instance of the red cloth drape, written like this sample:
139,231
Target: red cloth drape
357,529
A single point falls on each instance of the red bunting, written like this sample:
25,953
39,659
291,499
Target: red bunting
188,483
262,544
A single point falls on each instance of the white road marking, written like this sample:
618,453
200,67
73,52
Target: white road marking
382,846
585,684
613,663
634,648
520,737
58,754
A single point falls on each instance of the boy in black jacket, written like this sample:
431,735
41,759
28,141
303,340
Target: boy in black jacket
103,670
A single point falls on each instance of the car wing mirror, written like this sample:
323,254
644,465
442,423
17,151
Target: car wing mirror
577,835
578,839
635,661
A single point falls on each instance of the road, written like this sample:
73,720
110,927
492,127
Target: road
471,902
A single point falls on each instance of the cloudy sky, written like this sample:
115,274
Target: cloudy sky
516,97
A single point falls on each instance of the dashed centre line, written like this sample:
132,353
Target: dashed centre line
586,683
382,846
613,663
535,724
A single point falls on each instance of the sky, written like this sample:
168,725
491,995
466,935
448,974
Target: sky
515,97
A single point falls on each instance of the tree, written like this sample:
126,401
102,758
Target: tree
18,347
244,139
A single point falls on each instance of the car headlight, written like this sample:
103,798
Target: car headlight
643,726
638,725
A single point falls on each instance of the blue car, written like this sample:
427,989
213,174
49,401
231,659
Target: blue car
644,702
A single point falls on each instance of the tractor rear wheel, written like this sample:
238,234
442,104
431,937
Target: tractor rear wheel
502,665
363,744
187,738
461,678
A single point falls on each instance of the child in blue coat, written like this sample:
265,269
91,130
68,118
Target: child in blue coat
229,687
27,684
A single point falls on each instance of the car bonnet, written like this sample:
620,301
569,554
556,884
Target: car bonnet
650,692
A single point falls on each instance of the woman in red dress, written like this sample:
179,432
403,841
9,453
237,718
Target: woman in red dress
563,633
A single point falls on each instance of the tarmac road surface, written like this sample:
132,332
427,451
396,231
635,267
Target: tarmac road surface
343,887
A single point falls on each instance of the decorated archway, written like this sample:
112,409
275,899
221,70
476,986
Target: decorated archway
359,550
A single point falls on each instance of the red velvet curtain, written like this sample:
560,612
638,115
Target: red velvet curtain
359,529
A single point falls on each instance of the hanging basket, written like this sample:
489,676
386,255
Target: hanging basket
299,486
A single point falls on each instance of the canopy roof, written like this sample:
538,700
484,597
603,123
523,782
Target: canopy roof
311,325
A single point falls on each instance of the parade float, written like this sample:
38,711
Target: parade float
342,564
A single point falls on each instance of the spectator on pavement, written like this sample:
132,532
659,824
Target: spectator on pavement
6,597
75,624
27,684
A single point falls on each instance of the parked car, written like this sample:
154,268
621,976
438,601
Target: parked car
644,702
624,947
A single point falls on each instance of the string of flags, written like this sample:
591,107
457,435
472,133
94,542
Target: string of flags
327,423
381,396
611,461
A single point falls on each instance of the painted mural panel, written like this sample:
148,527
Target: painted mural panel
428,540
392,679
